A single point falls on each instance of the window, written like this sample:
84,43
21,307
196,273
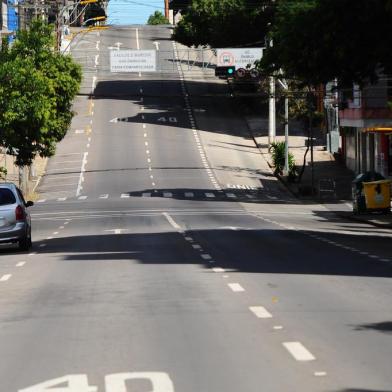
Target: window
6,197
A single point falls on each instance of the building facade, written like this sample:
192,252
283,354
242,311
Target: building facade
366,128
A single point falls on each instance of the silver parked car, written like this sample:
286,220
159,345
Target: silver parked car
15,221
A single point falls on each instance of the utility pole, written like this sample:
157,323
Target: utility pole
167,9
272,114
285,86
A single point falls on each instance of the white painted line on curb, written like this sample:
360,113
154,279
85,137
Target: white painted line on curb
4,278
260,312
236,287
298,351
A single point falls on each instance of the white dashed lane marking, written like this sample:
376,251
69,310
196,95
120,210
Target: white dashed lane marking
6,277
298,351
260,312
20,264
236,287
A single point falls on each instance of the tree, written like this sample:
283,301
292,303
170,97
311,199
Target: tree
222,23
37,87
157,18
317,40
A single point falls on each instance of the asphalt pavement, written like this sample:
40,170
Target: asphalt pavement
167,257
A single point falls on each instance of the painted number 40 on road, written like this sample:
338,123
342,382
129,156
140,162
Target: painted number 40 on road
116,382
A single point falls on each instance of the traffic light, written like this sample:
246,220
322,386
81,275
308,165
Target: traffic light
226,71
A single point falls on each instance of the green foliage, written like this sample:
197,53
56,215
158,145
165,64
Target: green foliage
222,23
277,150
317,40
37,88
157,18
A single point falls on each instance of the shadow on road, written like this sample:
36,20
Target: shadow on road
262,251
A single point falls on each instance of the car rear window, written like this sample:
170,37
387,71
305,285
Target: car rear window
6,197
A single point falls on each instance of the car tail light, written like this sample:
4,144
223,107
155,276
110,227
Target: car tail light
19,213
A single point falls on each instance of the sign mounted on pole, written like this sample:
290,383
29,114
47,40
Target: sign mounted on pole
133,61
238,57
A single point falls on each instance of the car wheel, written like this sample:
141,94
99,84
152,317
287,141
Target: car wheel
25,243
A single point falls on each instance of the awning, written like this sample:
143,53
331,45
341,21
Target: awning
378,129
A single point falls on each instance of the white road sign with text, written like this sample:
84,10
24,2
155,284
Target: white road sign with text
133,61
239,57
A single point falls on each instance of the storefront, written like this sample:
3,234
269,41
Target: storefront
382,148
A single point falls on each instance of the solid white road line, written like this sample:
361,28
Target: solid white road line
298,351
236,287
137,39
260,312
172,221
4,278
82,170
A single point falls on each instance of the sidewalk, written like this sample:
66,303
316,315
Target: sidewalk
332,180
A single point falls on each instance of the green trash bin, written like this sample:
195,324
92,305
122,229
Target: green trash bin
358,193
